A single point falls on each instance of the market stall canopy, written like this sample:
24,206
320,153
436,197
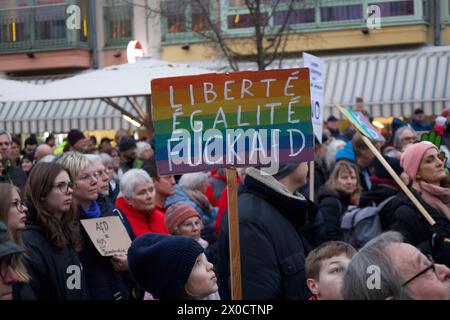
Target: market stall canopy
14,88
92,100
126,80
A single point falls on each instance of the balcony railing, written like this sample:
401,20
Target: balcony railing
305,16
41,28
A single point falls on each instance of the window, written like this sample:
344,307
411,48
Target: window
50,22
296,17
199,16
181,20
118,22
395,8
176,17
244,20
340,13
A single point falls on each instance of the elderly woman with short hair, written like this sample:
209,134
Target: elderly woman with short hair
144,150
138,203
191,190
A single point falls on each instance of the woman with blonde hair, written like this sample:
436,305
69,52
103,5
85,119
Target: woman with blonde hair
342,189
107,277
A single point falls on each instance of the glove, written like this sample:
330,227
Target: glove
441,247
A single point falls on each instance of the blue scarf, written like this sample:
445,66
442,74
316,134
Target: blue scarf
92,212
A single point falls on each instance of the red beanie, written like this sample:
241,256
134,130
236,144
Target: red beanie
177,213
411,158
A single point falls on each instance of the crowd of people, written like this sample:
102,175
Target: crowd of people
291,247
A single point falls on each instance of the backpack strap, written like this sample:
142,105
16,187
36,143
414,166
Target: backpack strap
382,204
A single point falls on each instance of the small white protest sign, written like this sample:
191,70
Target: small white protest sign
108,235
315,66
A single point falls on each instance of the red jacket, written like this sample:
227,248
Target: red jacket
160,209
142,222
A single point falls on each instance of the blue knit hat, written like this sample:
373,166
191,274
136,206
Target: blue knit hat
162,264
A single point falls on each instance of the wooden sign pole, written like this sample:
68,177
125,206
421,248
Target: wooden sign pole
399,181
394,175
311,180
233,230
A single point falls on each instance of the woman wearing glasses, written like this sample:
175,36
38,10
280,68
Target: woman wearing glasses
107,277
13,213
52,237
424,166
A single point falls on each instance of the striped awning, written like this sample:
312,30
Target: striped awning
61,116
391,84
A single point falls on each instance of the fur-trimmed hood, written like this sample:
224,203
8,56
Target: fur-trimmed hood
273,183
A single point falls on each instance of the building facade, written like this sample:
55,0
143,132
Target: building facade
402,65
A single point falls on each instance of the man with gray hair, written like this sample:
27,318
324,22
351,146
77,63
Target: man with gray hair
388,268
12,173
42,151
404,136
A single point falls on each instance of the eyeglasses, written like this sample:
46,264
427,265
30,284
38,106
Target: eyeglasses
64,186
89,177
410,139
431,267
20,205
98,174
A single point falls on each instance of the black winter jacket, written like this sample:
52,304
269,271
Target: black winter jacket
56,274
16,176
273,247
410,222
332,205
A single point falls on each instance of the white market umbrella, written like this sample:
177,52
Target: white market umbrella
126,80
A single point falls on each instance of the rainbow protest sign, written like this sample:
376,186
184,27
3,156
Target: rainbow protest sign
361,122
236,119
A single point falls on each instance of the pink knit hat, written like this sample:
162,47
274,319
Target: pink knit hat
411,158
177,213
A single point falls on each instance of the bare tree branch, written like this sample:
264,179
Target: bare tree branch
261,13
